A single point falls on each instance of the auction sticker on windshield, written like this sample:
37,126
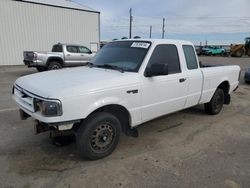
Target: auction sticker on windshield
140,45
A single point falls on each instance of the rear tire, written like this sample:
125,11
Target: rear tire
41,69
98,135
216,103
54,65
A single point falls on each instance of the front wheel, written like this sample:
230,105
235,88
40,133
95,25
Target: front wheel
54,66
216,103
98,135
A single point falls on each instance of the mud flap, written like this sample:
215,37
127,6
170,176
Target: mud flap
227,99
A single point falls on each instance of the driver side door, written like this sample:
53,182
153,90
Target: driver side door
167,93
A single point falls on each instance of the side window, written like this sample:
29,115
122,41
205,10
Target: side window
190,57
57,48
72,49
83,49
168,54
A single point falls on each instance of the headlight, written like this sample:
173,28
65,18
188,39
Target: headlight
48,108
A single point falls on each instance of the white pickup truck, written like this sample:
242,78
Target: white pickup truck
128,83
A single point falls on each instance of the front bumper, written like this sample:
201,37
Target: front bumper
40,126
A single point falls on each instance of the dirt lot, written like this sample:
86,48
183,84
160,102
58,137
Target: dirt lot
185,149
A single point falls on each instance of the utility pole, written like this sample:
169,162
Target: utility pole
150,32
163,28
130,22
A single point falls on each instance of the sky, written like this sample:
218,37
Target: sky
214,21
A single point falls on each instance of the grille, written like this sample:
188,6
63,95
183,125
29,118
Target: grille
24,99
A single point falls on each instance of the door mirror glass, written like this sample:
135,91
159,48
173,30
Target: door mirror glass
157,69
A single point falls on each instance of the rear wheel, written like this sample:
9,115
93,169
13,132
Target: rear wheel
54,65
41,69
216,103
98,135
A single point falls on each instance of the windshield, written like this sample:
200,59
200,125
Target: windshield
126,55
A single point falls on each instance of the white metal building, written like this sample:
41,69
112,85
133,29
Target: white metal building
38,24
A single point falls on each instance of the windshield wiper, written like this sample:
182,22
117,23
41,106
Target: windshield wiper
108,66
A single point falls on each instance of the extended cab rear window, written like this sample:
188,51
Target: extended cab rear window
190,57
166,54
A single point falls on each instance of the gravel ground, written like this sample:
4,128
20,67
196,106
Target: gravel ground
184,149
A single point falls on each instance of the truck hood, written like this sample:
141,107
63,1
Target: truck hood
75,81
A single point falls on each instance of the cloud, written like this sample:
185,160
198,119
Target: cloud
189,17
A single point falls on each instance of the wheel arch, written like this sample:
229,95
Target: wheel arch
57,59
225,86
119,111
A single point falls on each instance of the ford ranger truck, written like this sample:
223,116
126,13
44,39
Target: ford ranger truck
62,55
127,83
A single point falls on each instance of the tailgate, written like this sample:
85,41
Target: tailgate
29,55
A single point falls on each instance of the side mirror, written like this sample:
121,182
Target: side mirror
157,69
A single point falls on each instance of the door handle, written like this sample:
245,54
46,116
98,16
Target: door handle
68,54
82,55
182,79
132,91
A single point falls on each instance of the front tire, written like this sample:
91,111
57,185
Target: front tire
98,135
54,65
216,103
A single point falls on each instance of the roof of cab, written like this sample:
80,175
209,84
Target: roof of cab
160,41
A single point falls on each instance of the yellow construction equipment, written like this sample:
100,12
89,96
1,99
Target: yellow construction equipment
238,50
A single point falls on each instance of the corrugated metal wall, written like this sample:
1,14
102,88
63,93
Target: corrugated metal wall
27,26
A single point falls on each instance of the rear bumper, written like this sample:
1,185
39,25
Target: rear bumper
33,63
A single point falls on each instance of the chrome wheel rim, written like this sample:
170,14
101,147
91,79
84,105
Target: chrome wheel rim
54,67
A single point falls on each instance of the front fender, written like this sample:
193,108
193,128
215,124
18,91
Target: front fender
104,102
